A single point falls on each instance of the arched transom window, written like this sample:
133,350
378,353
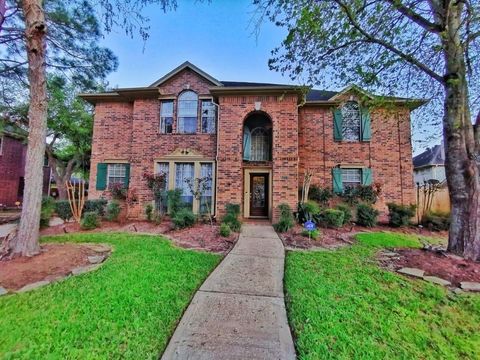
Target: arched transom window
260,145
351,121
187,112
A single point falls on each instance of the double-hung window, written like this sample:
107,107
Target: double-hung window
184,174
166,116
187,112
206,197
161,201
351,177
208,117
116,174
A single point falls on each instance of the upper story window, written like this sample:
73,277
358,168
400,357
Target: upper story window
166,116
187,112
351,117
209,115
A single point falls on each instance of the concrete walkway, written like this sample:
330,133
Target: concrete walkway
239,311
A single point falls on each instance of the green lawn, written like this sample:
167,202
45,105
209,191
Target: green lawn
341,305
127,309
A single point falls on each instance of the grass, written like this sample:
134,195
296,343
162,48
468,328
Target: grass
341,305
127,309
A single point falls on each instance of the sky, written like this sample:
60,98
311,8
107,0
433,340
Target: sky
217,36
207,35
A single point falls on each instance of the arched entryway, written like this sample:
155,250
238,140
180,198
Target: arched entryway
257,157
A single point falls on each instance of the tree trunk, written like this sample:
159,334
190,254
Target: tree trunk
26,241
461,149
62,175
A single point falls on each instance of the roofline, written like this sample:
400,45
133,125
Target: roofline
182,67
427,165
219,90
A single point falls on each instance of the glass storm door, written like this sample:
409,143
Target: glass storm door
259,195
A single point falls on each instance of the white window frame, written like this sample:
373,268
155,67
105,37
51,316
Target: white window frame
110,167
262,153
197,174
164,116
210,117
348,175
182,112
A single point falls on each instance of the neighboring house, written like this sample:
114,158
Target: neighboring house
430,165
13,150
255,140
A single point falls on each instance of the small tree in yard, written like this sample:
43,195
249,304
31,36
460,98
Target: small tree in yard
157,183
428,48
198,187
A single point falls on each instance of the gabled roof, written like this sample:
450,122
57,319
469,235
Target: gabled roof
186,65
430,157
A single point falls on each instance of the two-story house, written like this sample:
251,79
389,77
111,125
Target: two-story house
254,140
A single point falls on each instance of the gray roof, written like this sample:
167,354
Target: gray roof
431,156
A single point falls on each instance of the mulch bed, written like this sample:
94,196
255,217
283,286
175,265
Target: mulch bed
200,236
435,263
334,238
54,261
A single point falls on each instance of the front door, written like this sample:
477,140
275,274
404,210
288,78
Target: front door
259,194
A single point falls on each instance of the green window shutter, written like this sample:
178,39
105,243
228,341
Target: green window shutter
127,175
101,176
337,125
367,176
365,125
337,180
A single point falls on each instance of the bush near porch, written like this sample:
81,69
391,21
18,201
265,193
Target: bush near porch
126,309
342,305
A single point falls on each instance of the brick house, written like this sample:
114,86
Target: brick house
13,150
255,140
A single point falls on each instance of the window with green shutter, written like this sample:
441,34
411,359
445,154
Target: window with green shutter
367,176
337,180
110,173
101,176
366,132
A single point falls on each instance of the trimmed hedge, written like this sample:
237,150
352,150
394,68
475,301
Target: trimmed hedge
225,230
347,212
400,215
90,220
183,218
286,219
113,210
367,215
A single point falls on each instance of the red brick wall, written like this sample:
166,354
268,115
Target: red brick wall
389,152
283,113
12,165
130,131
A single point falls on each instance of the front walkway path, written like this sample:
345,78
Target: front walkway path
239,311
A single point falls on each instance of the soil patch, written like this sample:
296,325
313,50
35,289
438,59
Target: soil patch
449,267
199,236
334,238
54,261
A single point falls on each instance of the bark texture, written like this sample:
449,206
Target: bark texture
26,242
61,172
461,145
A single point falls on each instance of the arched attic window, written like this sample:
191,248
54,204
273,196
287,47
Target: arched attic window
187,112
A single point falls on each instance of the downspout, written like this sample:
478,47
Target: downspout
216,158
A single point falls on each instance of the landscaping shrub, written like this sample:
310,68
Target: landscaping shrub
307,211
63,210
183,218
332,218
118,191
225,230
366,215
96,205
319,194
436,221
233,209
231,217
369,194
286,219
90,220
174,201
149,212
113,210
347,212
313,234
400,215
47,210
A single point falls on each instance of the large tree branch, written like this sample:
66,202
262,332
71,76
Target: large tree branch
415,17
373,39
